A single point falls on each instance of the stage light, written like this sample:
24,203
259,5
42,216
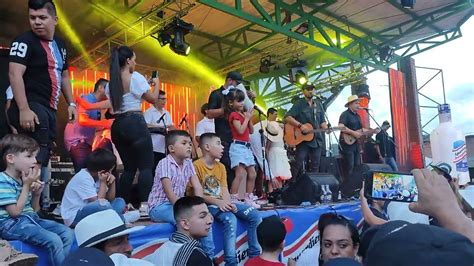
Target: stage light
300,77
298,71
178,45
265,64
164,38
408,3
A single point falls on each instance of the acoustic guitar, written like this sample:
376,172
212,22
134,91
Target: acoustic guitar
294,136
349,139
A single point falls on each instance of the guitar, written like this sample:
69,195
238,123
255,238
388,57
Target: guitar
349,139
294,136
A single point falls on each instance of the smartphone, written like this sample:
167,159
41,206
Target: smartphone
391,186
154,74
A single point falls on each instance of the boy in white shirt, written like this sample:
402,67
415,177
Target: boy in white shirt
205,125
157,117
92,189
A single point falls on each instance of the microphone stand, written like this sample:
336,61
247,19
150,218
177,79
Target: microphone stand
263,141
162,119
193,147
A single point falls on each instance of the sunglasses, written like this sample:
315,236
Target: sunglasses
328,217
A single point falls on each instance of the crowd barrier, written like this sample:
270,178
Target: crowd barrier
301,222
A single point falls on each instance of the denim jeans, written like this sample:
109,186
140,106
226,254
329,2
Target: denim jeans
229,221
391,162
56,238
133,142
351,159
163,213
118,205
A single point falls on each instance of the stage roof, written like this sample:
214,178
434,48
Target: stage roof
238,34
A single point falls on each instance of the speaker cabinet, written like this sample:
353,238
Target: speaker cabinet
352,184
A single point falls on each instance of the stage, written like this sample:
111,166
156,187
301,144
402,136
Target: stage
301,223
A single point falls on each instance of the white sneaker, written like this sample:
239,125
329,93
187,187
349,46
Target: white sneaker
234,198
143,208
251,203
57,210
131,216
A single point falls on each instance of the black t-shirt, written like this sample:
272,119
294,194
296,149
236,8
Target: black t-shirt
352,121
386,144
304,113
216,101
45,62
199,258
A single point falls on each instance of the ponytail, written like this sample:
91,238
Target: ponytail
118,59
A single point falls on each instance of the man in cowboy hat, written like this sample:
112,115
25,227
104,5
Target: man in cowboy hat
106,231
385,147
307,110
351,122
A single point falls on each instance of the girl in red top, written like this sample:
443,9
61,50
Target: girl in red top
241,156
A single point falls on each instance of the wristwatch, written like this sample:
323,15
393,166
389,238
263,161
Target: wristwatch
72,104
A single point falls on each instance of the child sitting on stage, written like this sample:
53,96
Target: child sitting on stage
92,189
212,175
241,156
172,176
19,201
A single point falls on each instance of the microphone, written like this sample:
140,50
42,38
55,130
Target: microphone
183,120
258,109
161,118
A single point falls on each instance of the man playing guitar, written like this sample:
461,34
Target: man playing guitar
352,132
307,110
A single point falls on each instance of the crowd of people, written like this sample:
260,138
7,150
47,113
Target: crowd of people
98,206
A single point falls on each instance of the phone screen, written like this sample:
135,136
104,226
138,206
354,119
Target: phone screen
154,74
393,186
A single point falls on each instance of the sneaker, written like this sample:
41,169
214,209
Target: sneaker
57,210
251,203
131,216
11,257
143,208
234,198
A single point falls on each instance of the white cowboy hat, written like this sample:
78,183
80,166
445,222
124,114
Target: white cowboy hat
352,98
101,226
273,131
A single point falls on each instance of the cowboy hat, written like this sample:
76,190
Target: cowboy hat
101,226
351,99
273,131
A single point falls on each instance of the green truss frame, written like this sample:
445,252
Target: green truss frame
362,49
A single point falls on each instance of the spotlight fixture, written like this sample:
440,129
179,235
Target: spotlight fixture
265,64
385,53
298,72
408,3
173,34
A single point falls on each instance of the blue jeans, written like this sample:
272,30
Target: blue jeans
56,238
229,221
391,162
163,212
118,205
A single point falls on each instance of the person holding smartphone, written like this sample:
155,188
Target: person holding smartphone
126,91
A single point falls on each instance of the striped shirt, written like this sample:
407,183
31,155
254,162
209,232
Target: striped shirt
10,190
178,175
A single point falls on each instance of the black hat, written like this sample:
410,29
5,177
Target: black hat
235,75
87,256
402,244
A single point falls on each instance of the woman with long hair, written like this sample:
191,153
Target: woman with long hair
126,91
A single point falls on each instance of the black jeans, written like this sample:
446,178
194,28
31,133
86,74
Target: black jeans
226,161
133,142
157,156
303,152
351,159
45,132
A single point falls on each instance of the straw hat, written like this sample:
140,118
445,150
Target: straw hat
101,226
273,131
351,99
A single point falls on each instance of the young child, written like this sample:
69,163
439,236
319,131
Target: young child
212,175
276,154
92,189
19,201
271,236
172,176
241,156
